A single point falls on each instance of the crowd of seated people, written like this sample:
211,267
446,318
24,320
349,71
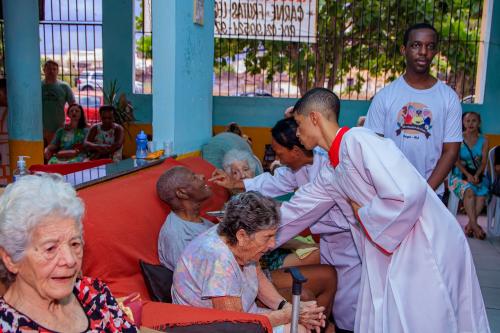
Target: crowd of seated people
220,269
239,166
75,142
185,192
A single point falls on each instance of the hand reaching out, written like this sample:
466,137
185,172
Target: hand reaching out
221,178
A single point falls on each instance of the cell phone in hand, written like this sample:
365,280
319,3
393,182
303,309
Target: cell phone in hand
216,213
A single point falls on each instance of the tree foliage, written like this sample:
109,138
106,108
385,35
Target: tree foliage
144,45
362,39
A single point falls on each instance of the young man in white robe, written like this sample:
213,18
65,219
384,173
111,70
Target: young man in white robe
417,269
300,167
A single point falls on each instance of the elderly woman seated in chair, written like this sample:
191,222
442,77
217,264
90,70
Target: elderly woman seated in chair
41,250
220,268
241,164
67,144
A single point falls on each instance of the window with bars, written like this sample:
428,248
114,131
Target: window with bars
71,35
283,48
143,55
2,48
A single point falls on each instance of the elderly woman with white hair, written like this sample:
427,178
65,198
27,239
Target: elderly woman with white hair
241,164
220,268
41,250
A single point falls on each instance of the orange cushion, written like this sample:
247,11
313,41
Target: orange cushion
121,225
162,315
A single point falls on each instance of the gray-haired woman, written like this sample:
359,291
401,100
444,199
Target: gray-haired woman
220,268
241,164
41,249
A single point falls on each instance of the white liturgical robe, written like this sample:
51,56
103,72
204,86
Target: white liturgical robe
417,268
337,247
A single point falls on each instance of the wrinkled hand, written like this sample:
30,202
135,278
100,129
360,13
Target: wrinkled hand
312,316
221,178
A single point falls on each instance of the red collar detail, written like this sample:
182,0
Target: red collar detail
333,154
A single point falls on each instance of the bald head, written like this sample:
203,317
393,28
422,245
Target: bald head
320,100
182,189
170,181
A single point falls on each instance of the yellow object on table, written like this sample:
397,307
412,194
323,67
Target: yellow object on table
154,155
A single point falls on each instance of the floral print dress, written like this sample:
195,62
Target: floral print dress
456,182
108,138
67,139
101,308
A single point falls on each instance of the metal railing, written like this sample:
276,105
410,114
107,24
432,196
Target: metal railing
143,53
71,35
284,48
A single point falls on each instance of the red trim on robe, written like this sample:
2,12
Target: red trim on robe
384,251
333,153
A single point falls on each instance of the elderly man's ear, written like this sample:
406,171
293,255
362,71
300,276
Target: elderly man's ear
7,261
182,193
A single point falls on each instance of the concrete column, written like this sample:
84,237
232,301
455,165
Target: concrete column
182,75
24,92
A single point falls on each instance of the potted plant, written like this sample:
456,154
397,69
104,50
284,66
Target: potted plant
124,111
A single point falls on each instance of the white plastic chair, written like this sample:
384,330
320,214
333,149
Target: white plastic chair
493,209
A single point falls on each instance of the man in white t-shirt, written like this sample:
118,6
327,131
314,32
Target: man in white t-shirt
421,114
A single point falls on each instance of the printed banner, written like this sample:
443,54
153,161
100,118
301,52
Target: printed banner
282,20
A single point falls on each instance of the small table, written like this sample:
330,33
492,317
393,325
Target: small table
88,177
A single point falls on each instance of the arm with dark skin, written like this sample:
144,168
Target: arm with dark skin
90,144
53,149
448,157
119,138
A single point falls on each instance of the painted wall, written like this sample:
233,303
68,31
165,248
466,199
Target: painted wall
182,75
118,54
24,92
22,62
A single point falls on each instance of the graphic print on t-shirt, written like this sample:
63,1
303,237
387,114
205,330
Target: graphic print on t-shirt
414,118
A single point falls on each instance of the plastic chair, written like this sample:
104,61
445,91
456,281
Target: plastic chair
493,209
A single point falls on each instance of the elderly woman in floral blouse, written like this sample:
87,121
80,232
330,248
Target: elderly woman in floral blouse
41,250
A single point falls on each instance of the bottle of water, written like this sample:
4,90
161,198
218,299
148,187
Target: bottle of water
21,169
141,145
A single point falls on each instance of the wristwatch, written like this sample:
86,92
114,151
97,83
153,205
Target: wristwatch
282,304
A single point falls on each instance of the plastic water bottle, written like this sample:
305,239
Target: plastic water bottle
141,142
21,169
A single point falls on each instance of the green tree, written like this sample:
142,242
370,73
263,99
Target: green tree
144,45
363,37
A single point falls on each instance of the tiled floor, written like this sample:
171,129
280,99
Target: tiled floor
486,255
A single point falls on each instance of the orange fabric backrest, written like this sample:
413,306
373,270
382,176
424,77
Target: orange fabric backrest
122,222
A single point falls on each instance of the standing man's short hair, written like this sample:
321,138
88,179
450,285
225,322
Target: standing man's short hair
418,26
50,62
323,100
